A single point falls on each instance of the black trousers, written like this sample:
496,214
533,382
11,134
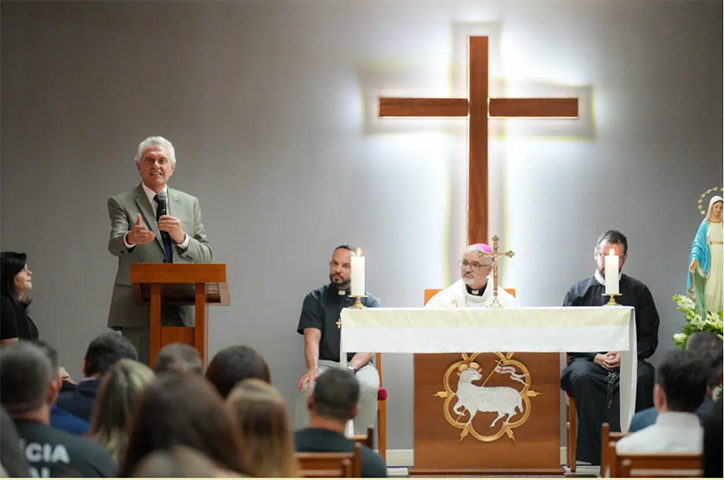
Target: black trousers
586,381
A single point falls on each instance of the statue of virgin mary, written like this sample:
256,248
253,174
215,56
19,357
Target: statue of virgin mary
705,261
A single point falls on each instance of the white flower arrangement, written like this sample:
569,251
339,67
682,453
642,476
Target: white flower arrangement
694,321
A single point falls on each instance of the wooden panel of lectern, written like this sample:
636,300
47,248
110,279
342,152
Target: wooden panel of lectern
158,284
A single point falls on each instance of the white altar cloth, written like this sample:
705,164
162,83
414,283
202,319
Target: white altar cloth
474,330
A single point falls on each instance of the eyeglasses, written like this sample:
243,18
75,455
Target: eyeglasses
475,266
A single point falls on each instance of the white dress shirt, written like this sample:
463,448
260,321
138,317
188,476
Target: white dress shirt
672,432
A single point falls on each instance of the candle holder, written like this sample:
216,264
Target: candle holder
358,303
612,300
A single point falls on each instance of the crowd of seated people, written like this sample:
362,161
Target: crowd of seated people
177,420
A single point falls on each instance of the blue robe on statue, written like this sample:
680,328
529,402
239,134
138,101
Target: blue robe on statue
695,282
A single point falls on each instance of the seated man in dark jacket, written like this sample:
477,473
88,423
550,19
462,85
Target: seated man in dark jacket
335,401
707,348
103,352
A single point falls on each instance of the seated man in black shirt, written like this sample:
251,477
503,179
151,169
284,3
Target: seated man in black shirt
592,378
319,325
331,405
29,384
103,352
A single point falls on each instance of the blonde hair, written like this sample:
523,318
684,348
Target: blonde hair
118,395
267,445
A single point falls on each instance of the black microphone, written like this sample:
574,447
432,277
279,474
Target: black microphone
162,199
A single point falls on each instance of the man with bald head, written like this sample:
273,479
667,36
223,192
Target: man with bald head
318,324
475,287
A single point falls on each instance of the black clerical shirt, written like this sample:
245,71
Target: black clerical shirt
321,310
589,293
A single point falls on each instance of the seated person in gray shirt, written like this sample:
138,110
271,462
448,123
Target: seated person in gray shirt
334,402
29,384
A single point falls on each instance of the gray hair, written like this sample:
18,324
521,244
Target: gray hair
25,376
480,248
153,141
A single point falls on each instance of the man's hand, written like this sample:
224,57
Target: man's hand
65,376
139,234
308,379
172,225
599,359
612,361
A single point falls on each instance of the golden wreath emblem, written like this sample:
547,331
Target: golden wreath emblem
511,405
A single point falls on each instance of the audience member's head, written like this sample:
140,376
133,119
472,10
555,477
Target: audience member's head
335,398
178,357
29,382
117,397
49,352
260,414
181,409
680,383
707,348
12,457
234,364
179,462
713,456
104,351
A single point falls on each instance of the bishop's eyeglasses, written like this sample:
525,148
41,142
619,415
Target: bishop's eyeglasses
475,266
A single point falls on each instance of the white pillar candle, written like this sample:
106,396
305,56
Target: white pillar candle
611,267
358,274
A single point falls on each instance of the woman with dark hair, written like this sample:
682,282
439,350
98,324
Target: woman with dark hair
15,282
181,409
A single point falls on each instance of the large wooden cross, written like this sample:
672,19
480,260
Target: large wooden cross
478,108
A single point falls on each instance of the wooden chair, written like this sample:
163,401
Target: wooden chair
328,465
642,464
343,471
571,430
381,413
367,440
608,447
627,471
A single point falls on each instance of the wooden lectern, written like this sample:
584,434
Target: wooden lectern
179,284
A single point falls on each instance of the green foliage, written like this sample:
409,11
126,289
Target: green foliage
694,322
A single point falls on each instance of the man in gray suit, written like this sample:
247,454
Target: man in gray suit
142,233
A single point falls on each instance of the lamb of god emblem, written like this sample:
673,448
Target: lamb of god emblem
504,397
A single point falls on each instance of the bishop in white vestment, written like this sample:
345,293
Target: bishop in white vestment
475,287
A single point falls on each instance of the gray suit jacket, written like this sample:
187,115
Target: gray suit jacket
123,210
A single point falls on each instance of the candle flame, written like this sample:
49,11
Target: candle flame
359,252
610,252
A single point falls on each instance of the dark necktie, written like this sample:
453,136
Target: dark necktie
161,210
